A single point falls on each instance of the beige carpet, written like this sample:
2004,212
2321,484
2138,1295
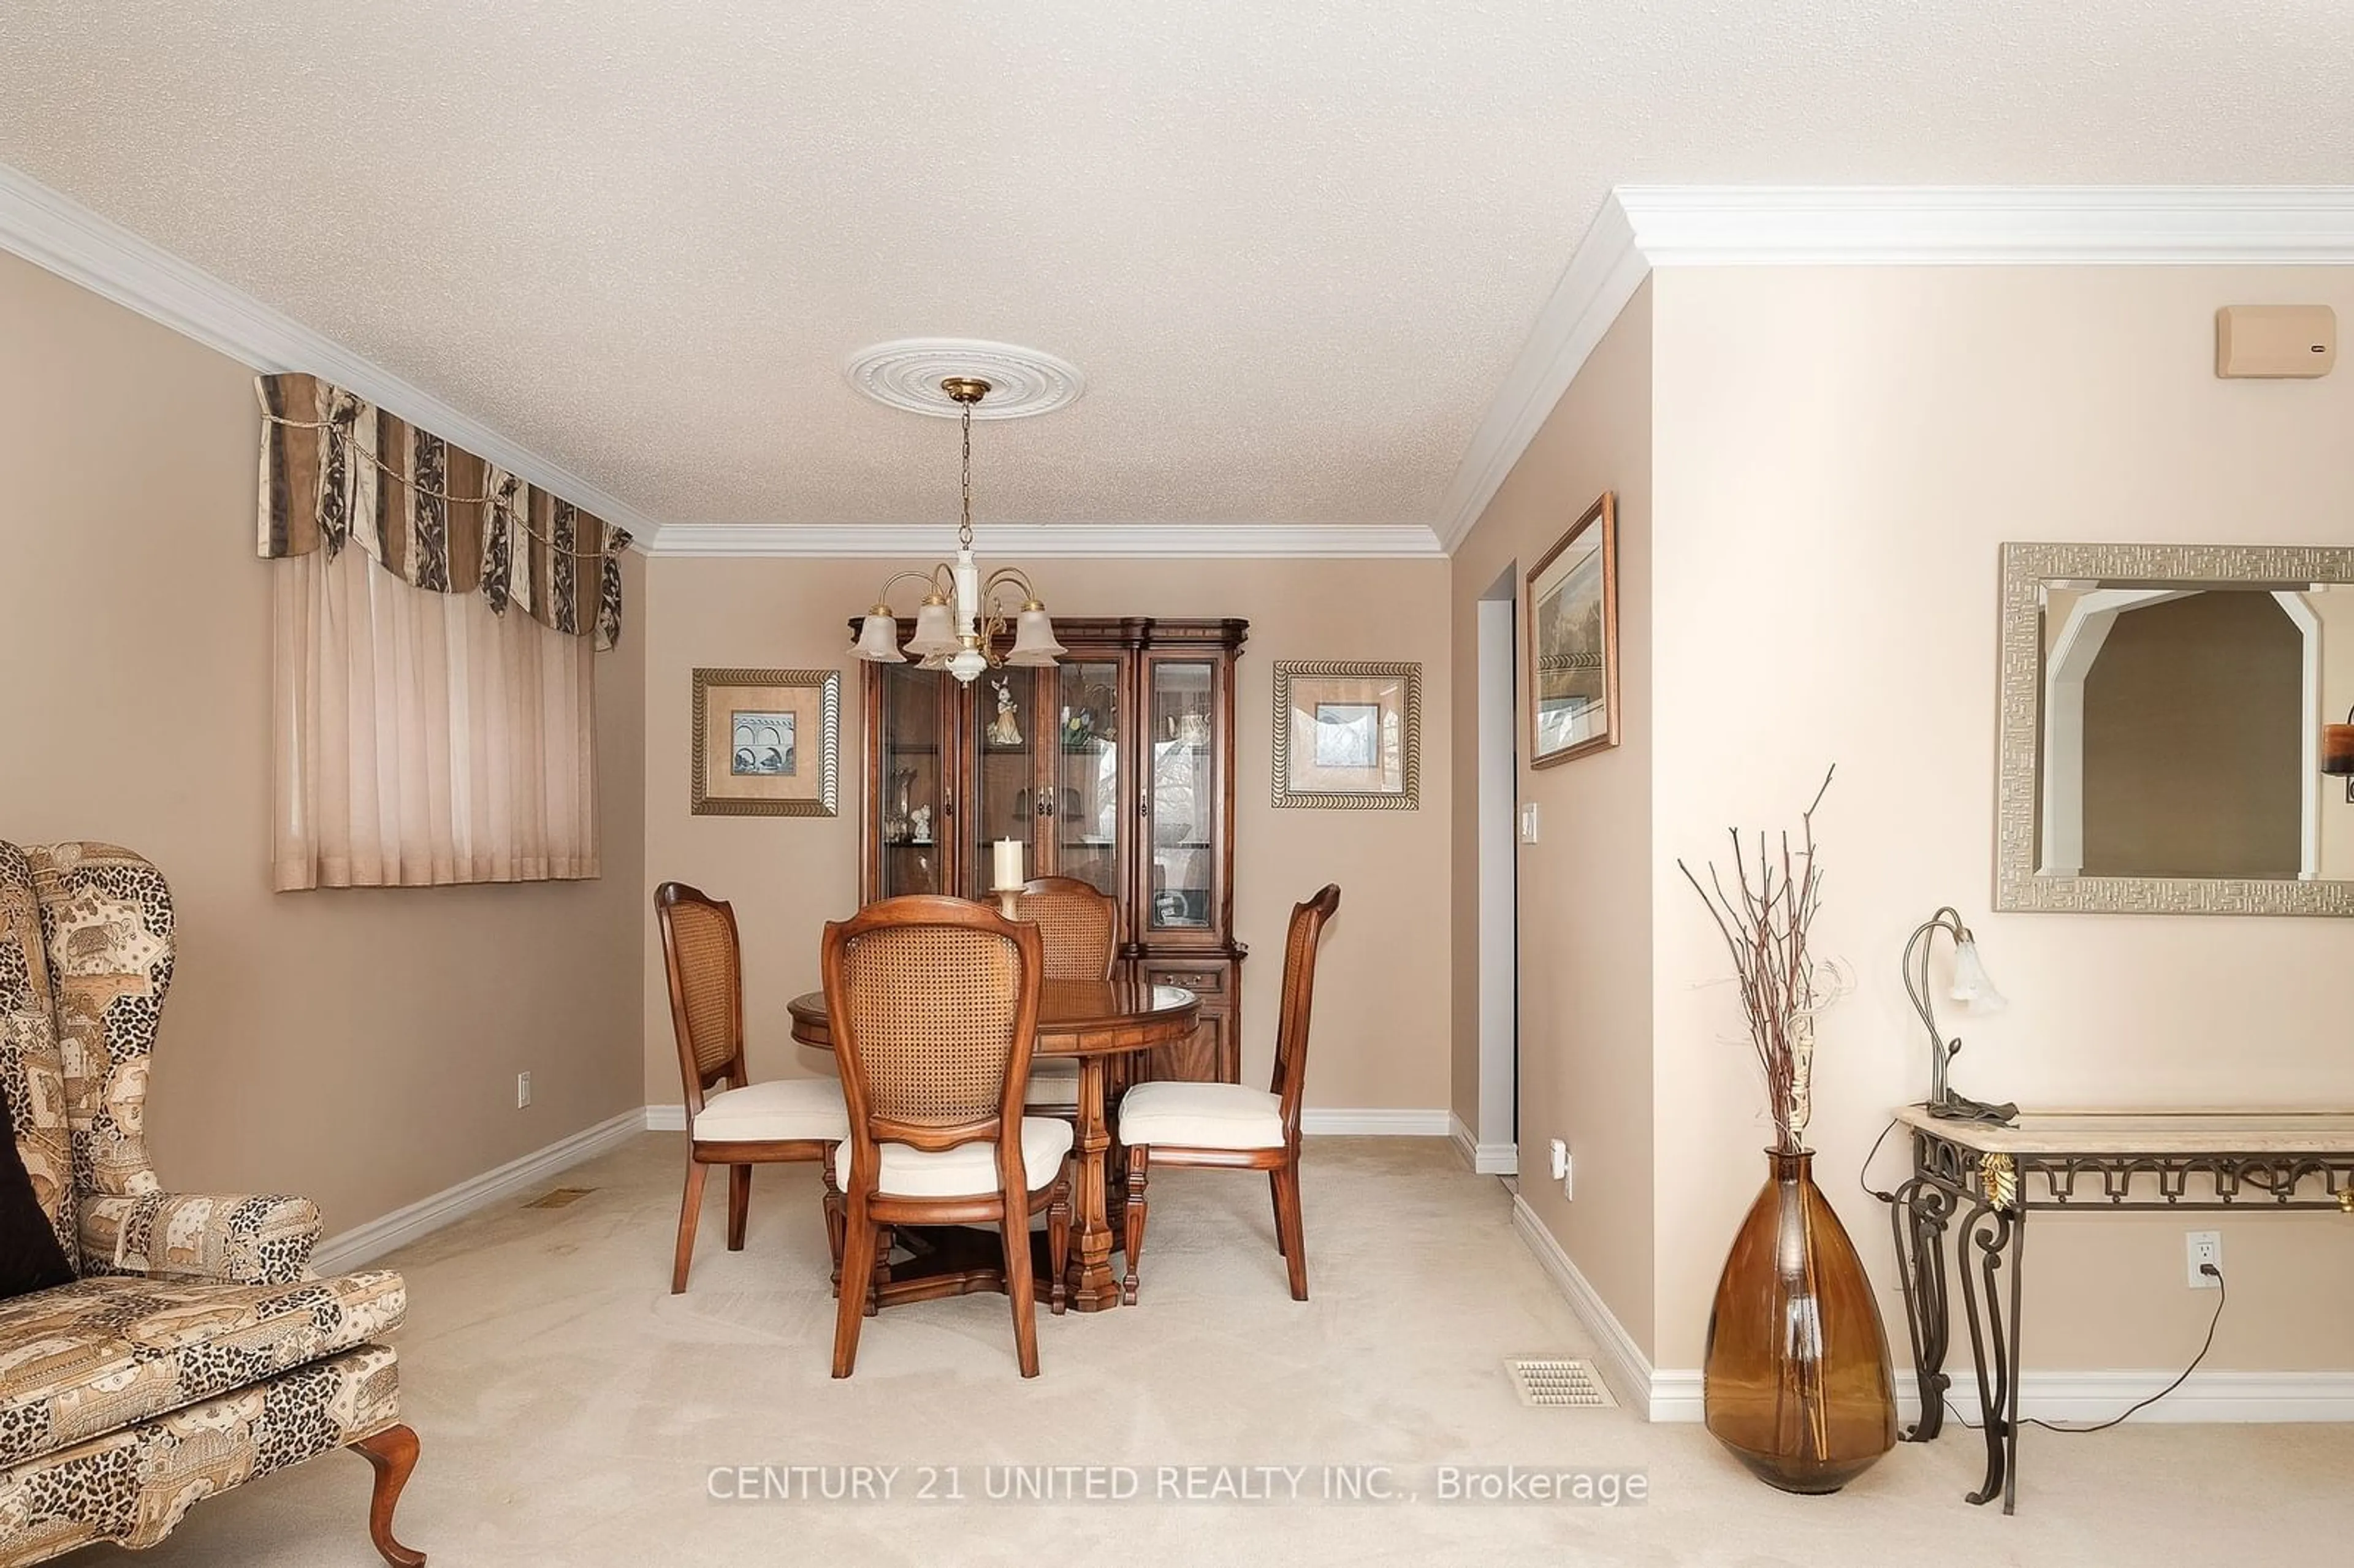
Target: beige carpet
572,1411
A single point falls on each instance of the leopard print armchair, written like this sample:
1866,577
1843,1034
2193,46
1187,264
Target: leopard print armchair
196,1351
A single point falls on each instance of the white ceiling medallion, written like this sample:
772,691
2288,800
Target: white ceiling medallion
906,374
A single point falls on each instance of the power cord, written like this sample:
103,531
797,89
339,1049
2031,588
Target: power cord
2223,1297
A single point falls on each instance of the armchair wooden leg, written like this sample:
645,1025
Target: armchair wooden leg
879,1275
1132,1237
1014,1230
852,1307
740,1205
1275,1192
690,1210
833,1214
1058,1242
1295,1242
393,1453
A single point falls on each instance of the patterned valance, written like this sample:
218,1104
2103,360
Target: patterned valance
335,468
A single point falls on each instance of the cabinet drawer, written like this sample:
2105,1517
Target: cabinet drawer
1205,982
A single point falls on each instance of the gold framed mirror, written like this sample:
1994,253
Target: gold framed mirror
2167,718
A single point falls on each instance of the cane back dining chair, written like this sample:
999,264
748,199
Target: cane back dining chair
1078,929
1229,1127
933,1006
731,1120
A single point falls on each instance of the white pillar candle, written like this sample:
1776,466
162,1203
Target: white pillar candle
1008,865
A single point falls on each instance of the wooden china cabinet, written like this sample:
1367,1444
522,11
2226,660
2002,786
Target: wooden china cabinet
1116,767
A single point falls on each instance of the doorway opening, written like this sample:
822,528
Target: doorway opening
1497,1138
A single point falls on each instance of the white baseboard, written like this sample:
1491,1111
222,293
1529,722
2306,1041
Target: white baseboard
1318,1123
1621,1361
1676,1394
364,1243
1485,1158
1333,1122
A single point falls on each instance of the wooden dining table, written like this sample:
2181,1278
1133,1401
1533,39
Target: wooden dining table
1095,1021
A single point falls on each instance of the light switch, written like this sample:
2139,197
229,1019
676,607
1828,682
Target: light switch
1528,824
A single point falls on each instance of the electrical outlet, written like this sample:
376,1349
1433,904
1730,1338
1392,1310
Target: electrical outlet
1528,824
1568,1175
1559,1158
522,1091
2203,1248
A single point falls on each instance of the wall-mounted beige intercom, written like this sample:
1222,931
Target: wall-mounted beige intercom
2276,340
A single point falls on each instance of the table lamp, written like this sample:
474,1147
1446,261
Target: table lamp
1974,990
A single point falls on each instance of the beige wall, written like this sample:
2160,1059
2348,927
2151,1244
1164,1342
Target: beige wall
1839,453
358,1047
1585,887
1381,984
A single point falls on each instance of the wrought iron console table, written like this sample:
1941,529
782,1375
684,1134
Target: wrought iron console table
2104,1162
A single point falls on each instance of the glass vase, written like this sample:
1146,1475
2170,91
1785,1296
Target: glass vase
1798,1383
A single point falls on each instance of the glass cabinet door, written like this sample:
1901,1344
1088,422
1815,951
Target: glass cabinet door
1183,795
1010,803
1084,810
913,772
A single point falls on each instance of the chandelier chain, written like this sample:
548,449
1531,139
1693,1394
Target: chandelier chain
964,528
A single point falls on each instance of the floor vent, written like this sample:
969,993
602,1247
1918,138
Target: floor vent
1559,1381
562,1198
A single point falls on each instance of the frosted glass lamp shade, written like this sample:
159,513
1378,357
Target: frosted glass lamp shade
878,638
1033,637
1972,984
935,631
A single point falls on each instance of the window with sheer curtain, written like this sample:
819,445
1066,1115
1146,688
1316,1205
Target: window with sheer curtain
425,734
422,739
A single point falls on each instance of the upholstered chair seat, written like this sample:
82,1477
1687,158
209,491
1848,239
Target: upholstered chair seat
145,1347
1224,1127
933,1006
968,1170
731,1120
1078,932
775,1111
196,1350
1053,1082
1202,1116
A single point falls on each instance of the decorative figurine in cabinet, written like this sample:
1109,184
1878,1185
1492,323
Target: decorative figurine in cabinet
1116,767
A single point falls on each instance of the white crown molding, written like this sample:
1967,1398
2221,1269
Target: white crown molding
1603,274
1048,541
1991,226
54,232
1643,227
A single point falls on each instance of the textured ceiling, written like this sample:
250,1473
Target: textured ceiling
1293,247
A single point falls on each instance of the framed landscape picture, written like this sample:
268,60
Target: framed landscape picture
1573,639
1348,736
767,743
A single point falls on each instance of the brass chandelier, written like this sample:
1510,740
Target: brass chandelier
963,614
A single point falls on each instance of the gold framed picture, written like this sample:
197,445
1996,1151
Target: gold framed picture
767,743
1348,736
1573,632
